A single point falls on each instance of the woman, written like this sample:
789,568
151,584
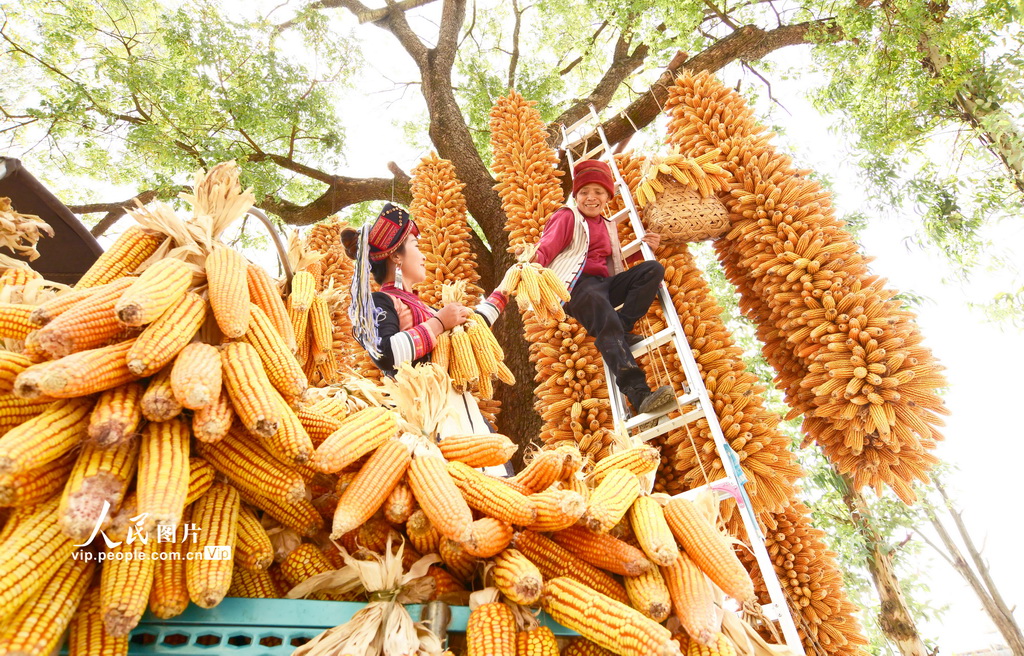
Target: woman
393,324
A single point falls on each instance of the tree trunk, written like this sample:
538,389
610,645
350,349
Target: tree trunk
981,581
894,616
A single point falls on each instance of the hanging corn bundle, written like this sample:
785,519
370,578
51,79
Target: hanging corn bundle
848,356
439,209
826,619
571,392
538,288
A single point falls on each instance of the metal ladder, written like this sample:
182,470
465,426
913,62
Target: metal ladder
695,394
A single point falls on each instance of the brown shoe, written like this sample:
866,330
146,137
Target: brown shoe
659,398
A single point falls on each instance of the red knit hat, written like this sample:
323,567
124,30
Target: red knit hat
592,170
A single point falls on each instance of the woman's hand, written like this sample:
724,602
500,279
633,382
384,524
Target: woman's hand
453,314
652,239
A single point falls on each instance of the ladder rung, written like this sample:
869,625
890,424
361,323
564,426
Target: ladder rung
568,129
722,487
618,216
654,341
593,151
631,247
663,426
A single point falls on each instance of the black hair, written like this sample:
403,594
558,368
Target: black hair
378,268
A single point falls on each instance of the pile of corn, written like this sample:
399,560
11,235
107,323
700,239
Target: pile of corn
572,397
848,356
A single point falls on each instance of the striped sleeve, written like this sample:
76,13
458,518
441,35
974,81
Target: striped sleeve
492,308
412,344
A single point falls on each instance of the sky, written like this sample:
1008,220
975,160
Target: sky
985,441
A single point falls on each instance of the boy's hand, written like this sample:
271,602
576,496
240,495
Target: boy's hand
453,314
653,240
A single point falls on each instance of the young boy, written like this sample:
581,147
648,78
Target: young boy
582,248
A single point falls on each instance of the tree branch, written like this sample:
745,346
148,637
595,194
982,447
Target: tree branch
514,59
747,43
362,13
114,211
341,192
453,13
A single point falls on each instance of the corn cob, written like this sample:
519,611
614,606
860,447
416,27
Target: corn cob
196,376
169,595
252,396
263,293
318,425
89,323
200,478
52,308
542,471
609,623
46,437
421,533
250,467
98,481
283,370
487,450
253,584
490,537
290,444
442,353
649,594
253,549
163,339
121,522
709,549
400,504
539,641
14,320
88,635
458,561
303,562
371,486
211,423
38,626
125,583
516,577
584,647
603,551
491,631
638,460
611,500
164,468
15,410
373,536
78,374
491,496
35,486
229,290
158,401
300,516
124,256
553,560
159,287
464,370
652,531
692,599
557,509
439,497
11,364
116,416
320,323
216,515
358,435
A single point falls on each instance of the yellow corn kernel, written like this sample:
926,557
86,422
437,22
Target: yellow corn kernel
253,549
216,515
88,635
226,273
489,537
87,324
371,486
638,460
491,496
652,531
282,368
35,486
196,376
11,364
38,626
538,641
488,450
100,476
649,594
250,467
611,500
517,577
692,599
440,499
252,396
159,287
253,584
169,595
610,623
264,293
163,477
200,478
46,437
301,516
124,256
163,339
603,551
320,323
116,416
31,556
78,374
491,631
358,434
709,549
544,469
557,509
553,560
125,582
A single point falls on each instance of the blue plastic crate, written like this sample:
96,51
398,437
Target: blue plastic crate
264,627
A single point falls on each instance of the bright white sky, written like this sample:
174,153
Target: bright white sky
984,442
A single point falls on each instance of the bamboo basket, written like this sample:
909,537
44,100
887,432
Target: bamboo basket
679,214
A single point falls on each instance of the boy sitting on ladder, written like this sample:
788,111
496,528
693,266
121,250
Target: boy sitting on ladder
582,247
